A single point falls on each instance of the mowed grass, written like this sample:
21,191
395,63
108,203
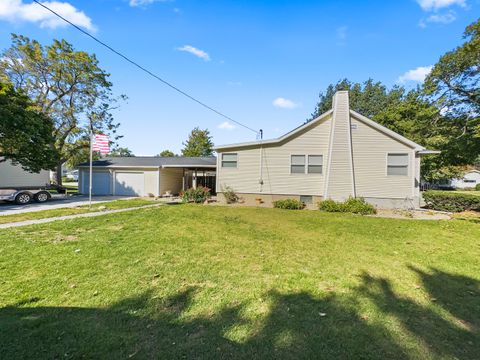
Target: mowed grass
112,205
203,282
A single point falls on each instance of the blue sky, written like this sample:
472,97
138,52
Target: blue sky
262,63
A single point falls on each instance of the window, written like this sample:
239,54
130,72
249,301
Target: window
229,160
315,164
469,181
297,164
397,164
306,199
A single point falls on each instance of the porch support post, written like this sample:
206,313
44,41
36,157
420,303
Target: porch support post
194,182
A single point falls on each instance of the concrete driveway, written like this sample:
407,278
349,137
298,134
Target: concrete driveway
56,202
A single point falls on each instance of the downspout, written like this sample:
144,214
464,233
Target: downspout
260,181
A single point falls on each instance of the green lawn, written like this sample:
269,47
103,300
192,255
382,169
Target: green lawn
117,204
202,282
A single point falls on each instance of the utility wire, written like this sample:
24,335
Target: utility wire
146,70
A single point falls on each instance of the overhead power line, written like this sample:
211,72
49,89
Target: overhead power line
146,70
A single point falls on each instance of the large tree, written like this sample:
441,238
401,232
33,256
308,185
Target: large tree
121,152
166,153
25,133
67,86
199,143
368,98
454,86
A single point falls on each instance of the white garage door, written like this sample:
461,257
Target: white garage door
129,183
100,184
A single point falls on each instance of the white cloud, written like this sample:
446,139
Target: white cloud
16,10
432,5
194,51
226,126
283,103
417,74
135,3
446,18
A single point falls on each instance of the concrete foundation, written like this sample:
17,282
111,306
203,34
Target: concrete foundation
266,200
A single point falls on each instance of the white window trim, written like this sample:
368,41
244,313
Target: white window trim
221,161
306,164
398,153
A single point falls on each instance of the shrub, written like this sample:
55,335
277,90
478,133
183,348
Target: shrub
198,195
289,204
230,195
477,187
451,201
351,205
331,206
359,206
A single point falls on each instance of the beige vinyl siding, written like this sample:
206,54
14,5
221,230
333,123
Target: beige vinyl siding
370,149
151,183
171,180
277,178
340,177
15,176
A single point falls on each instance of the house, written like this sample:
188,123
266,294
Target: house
146,176
469,180
13,176
337,155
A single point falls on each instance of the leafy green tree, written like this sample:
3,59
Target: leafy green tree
166,153
121,152
25,133
454,85
67,86
199,143
368,98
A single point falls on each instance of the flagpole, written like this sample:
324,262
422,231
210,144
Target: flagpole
91,167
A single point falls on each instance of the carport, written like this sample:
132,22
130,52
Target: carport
147,176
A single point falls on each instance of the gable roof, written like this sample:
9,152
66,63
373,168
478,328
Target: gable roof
280,139
154,162
419,148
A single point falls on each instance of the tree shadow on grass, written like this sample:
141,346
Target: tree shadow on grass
449,326
296,326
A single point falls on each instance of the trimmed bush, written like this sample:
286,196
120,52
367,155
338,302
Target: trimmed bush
331,206
477,187
359,206
351,205
451,201
198,195
290,204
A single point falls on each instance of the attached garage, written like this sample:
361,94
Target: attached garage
101,184
145,176
130,183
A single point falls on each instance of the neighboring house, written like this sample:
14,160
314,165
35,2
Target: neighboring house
469,180
14,176
339,154
146,176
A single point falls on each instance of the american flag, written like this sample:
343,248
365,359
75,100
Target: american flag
101,143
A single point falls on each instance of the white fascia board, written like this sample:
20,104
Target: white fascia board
428,152
277,140
189,166
120,167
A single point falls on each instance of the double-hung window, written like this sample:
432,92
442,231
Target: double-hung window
229,160
315,164
397,164
297,164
